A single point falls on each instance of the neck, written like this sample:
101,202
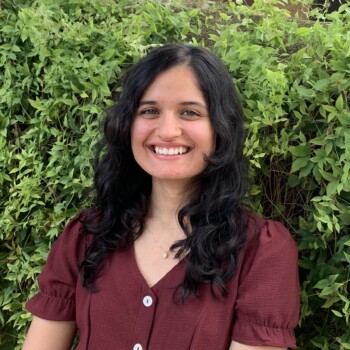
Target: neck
167,198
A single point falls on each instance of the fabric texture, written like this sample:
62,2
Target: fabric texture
261,308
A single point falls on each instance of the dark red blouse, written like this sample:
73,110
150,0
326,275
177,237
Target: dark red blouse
261,307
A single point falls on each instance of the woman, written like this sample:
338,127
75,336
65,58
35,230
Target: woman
168,258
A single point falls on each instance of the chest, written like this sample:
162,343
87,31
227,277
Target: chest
126,312
152,261
152,249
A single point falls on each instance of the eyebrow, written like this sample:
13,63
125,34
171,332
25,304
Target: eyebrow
185,103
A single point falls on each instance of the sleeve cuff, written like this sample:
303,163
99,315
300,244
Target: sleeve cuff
51,308
244,332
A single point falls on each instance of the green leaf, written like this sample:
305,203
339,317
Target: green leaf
328,176
300,151
330,289
326,282
339,103
322,84
108,54
345,218
293,181
337,313
8,29
36,104
332,188
304,92
299,163
303,31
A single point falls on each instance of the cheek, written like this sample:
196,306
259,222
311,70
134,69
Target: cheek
136,133
135,141
139,133
208,140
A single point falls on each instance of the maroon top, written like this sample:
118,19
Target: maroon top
261,307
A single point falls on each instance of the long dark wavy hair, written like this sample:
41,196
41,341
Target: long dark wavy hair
217,220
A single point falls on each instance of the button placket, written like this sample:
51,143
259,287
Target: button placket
145,318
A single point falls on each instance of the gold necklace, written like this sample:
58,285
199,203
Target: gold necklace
166,252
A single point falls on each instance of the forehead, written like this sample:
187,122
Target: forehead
178,82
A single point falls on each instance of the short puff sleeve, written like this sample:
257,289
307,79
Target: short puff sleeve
60,275
267,305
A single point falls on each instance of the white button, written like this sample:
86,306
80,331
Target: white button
137,347
147,301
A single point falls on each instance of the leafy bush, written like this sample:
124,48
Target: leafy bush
61,62
294,81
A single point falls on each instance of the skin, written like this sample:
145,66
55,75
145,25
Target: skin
239,346
53,335
172,113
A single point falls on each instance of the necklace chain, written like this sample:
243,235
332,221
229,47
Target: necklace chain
166,252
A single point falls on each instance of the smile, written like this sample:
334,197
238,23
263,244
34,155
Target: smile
170,151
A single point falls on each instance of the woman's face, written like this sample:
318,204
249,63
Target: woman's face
171,132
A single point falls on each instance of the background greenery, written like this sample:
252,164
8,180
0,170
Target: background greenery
62,60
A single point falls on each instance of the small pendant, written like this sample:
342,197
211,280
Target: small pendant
165,255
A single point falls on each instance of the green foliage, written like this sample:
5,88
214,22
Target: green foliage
294,80
60,64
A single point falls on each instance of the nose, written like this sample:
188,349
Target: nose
169,126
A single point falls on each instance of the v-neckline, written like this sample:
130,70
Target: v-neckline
171,279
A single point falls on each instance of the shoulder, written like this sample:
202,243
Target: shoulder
265,233
269,252
257,225
71,244
73,233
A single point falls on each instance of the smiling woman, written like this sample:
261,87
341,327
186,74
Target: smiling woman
168,257
171,134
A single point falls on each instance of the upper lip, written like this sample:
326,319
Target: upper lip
168,145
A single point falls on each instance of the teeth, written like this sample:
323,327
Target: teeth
170,151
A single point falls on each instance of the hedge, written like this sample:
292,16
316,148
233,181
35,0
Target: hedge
61,63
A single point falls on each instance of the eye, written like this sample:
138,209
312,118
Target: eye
149,112
190,113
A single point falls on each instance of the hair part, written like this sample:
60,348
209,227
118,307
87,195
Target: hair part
218,227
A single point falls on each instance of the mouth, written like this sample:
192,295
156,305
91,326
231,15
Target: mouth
172,151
